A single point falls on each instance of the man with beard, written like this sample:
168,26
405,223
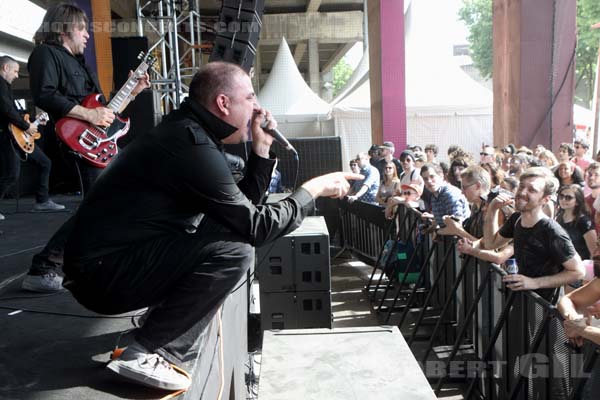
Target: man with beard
59,80
545,255
543,250
518,164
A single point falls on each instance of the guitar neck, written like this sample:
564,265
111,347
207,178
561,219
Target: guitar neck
123,94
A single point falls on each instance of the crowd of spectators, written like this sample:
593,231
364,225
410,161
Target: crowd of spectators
533,205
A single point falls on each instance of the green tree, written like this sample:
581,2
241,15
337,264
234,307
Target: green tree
477,15
342,71
588,40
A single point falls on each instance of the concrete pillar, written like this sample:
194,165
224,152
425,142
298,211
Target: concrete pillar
313,65
387,77
534,70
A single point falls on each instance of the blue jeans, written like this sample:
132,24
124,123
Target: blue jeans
185,277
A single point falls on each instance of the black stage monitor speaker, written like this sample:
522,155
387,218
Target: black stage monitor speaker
238,32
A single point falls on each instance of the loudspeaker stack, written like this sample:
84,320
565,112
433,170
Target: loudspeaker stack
294,277
238,31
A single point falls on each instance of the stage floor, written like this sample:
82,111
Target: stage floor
52,348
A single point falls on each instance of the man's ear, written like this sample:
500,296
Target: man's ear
223,103
546,199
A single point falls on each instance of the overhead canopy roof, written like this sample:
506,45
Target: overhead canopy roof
286,94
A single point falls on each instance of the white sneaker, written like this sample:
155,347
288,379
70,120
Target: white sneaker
138,365
48,205
2,218
47,283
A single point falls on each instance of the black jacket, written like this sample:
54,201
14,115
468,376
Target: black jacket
8,110
58,80
168,176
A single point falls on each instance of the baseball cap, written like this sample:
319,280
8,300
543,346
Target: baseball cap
413,186
407,153
388,145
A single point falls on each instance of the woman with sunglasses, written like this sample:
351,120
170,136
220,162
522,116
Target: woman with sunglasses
389,185
573,216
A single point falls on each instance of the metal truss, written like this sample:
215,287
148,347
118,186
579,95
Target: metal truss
175,26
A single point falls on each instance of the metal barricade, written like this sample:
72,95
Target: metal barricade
518,346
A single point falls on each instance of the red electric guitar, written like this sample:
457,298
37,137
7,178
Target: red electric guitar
98,145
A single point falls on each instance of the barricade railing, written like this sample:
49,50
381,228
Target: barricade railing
364,229
517,346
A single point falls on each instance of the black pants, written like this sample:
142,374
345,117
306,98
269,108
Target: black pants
10,168
185,276
50,258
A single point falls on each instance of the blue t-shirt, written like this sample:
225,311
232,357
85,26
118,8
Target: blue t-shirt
371,181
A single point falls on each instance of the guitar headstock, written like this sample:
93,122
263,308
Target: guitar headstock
43,118
148,59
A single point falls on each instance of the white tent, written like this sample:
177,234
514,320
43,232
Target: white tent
298,110
444,105
442,108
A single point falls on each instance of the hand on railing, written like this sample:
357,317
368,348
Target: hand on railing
574,329
465,246
519,282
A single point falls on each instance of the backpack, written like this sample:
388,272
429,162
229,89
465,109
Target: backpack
395,257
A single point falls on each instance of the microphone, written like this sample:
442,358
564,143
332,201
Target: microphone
278,136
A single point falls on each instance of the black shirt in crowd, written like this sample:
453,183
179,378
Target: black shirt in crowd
540,250
576,229
170,175
8,110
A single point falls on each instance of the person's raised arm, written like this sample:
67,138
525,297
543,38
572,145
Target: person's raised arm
334,185
491,230
465,246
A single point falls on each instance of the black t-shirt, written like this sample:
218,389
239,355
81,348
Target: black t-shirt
576,229
540,250
474,224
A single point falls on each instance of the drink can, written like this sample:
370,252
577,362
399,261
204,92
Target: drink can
511,266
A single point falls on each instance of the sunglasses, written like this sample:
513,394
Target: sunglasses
408,193
566,197
485,154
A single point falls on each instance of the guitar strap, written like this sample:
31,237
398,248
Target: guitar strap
19,107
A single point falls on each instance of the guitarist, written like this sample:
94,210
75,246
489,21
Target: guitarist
10,162
60,79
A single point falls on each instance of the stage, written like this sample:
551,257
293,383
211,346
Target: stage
52,348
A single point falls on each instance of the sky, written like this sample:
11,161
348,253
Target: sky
20,18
